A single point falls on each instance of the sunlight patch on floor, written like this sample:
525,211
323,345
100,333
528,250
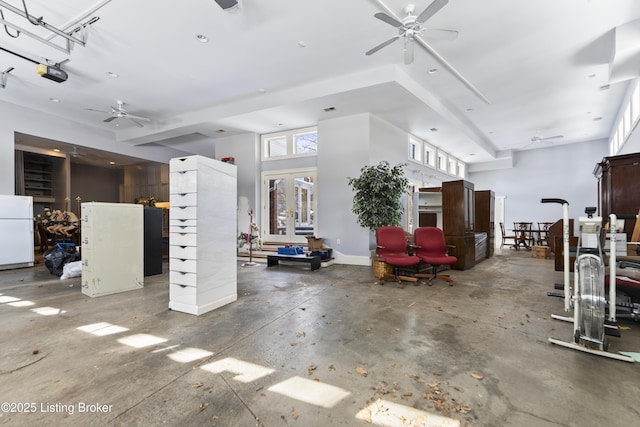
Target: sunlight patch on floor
246,372
101,329
309,391
390,414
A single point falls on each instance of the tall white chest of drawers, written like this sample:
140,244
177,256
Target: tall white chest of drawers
112,242
202,234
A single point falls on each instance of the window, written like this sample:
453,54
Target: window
453,166
306,142
415,150
276,147
429,156
442,161
461,169
292,143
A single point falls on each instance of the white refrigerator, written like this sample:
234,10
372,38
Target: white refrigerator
16,229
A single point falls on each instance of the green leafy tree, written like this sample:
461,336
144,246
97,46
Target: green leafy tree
377,194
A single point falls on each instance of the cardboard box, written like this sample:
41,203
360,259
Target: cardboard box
542,252
314,243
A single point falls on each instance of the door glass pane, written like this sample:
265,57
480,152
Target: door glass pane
277,206
304,202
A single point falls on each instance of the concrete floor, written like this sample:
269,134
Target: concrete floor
329,347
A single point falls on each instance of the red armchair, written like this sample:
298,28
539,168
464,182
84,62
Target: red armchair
392,249
431,248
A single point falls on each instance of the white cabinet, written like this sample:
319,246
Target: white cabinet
16,229
202,234
112,243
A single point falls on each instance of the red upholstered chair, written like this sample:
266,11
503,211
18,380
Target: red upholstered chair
392,248
432,249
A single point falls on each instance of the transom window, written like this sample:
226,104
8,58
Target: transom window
291,143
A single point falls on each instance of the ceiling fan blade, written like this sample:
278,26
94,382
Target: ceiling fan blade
408,50
381,45
137,123
551,137
436,34
449,67
98,111
109,119
388,19
431,10
134,117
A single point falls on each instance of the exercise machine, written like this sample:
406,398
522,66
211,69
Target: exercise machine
588,299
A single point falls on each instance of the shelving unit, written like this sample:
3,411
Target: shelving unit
38,176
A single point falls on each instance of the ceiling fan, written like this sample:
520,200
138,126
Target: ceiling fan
75,153
120,113
410,31
541,139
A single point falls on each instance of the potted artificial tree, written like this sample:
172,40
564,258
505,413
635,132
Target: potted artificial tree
377,202
378,191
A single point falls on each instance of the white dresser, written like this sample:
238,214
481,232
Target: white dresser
112,243
202,234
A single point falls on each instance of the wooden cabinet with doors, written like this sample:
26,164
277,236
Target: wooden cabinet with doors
618,178
458,220
484,221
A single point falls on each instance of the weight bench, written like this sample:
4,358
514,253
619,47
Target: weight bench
313,260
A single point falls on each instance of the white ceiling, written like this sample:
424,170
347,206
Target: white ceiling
275,65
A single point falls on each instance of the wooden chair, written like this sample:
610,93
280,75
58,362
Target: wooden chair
506,237
543,233
431,248
524,234
392,248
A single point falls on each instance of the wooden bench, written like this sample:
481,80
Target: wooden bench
314,260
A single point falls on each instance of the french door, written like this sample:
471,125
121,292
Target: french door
289,205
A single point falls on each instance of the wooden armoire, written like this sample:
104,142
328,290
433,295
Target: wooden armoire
458,216
618,178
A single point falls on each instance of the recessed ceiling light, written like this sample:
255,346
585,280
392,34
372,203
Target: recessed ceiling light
596,119
433,71
202,38
57,150
302,44
468,110
329,109
220,131
472,154
434,129
54,100
261,90
112,163
112,74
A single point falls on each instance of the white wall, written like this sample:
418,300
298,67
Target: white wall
564,171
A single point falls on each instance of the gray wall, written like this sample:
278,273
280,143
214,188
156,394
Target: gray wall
343,148
564,171
95,184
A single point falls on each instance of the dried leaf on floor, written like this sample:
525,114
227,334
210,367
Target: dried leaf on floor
202,407
311,368
293,343
361,371
477,376
406,396
294,414
460,389
437,373
332,368
197,385
301,334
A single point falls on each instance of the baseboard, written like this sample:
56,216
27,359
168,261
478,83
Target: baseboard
340,258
